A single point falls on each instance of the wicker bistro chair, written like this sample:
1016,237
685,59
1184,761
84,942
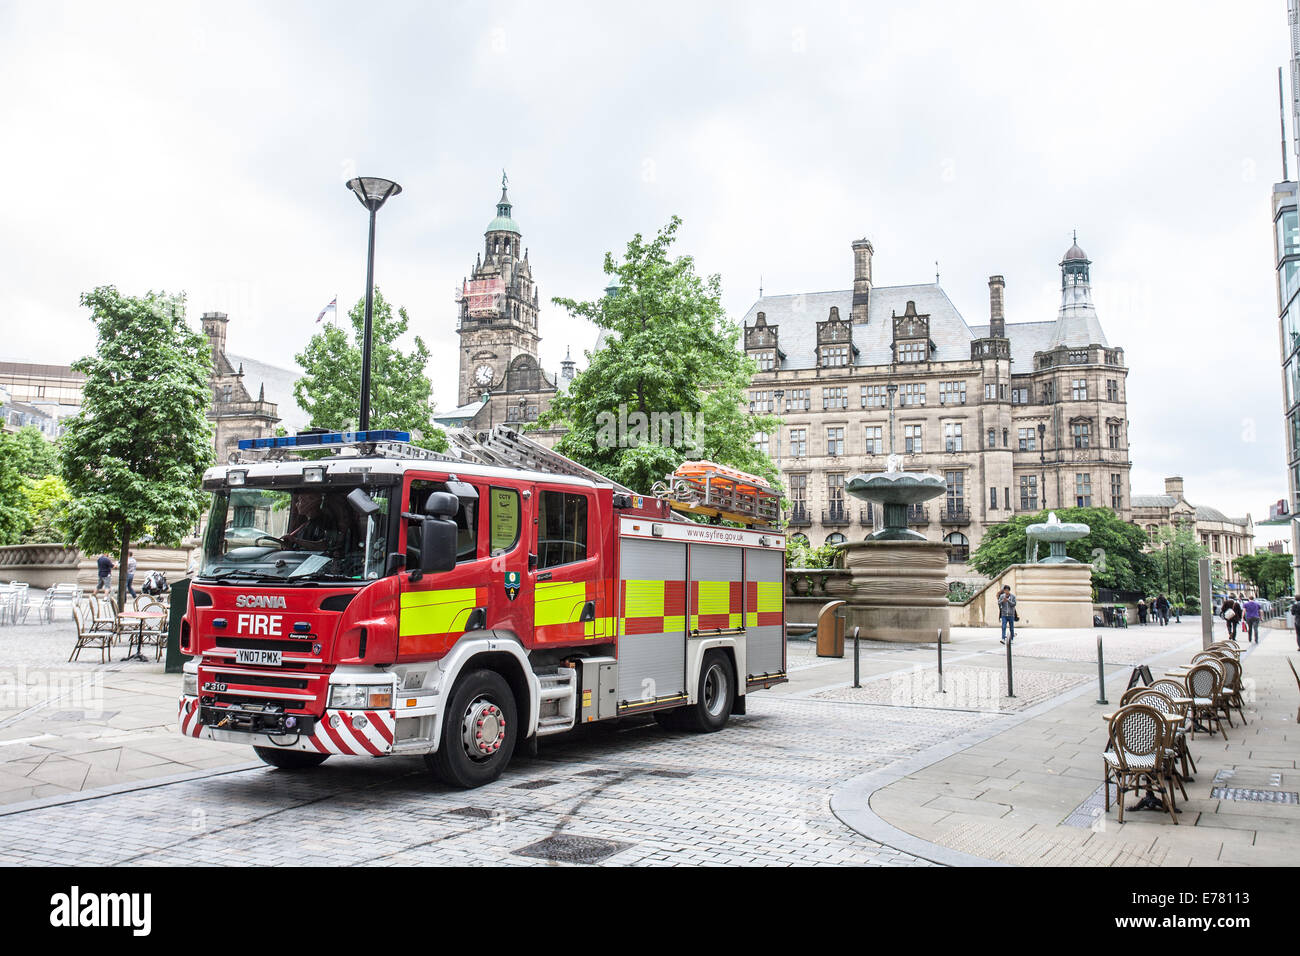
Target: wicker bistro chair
87,636
1204,687
155,632
99,615
1177,751
1175,691
1229,694
1137,756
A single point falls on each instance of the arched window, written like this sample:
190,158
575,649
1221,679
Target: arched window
958,547
835,538
800,537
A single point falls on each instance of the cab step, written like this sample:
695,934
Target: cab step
557,702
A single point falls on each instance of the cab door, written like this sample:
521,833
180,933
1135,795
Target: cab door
569,606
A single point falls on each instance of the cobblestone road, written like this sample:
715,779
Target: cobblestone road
756,793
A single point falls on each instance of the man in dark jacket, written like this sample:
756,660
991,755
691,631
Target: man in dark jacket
1230,604
1295,618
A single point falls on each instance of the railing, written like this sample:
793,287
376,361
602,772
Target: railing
954,516
834,517
958,553
867,517
799,519
918,514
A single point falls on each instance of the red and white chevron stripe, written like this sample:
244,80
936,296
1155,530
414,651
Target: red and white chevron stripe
189,717
375,738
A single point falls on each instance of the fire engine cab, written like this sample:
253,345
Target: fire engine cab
386,600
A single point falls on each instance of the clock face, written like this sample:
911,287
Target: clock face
483,375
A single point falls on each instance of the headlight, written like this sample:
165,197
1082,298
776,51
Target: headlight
236,477
360,696
313,474
190,685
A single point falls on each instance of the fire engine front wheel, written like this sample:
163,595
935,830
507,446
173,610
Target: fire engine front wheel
289,759
714,698
478,731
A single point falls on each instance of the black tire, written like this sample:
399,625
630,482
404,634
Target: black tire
457,761
714,696
283,759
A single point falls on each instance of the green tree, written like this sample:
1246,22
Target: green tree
13,503
36,455
330,387
1113,547
1270,573
47,501
133,458
1176,555
670,383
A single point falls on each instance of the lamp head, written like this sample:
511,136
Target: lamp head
372,191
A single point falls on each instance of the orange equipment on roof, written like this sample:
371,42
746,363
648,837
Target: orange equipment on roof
707,488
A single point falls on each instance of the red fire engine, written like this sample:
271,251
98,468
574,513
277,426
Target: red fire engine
388,601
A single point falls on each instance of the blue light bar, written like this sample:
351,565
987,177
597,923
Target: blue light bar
323,439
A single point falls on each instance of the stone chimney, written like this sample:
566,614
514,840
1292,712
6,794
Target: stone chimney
1174,486
862,252
214,327
997,322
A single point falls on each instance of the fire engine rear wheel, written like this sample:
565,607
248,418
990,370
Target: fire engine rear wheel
714,697
290,759
478,731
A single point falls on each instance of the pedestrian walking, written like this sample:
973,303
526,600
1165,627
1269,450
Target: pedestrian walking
1231,612
1251,613
1142,611
1007,614
1162,609
105,568
1295,619
130,573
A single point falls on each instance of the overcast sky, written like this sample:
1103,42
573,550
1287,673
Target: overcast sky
203,147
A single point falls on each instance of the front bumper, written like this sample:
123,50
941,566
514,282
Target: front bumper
356,733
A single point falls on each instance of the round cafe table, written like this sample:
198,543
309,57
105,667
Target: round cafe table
140,617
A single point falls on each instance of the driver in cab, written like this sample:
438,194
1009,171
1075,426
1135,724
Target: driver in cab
310,527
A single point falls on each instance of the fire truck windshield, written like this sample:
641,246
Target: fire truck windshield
295,535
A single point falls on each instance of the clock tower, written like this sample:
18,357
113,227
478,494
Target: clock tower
498,329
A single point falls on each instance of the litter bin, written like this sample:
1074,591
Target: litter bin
830,629
180,597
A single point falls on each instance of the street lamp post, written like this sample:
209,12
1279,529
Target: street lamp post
1042,460
373,193
891,388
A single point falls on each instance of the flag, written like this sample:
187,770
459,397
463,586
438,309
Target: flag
332,307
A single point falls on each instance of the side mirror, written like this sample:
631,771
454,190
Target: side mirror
442,504
438,543
362,503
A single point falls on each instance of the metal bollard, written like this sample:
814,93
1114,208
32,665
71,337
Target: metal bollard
939,645
856,652
1101,675
1011,689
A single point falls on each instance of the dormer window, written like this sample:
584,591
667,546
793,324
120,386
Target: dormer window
835,356
912,351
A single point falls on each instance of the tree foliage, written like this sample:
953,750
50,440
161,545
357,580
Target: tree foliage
670,382
13,503
47,503
330,387
133,458
1175,558
1112,546
1270,573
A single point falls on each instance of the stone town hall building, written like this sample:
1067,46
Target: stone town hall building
1015,416
497,325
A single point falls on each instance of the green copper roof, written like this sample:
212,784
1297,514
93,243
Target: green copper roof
503,222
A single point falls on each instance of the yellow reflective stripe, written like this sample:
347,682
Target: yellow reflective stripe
715,597
435,612
769,595
672,624
751,619
558,602
733,620
644,599
597,628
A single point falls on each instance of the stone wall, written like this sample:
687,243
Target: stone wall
42,565
1047,595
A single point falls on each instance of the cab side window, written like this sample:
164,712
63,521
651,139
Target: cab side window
561,528
466,523
503,519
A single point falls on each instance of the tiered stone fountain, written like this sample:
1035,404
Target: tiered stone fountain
897,589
